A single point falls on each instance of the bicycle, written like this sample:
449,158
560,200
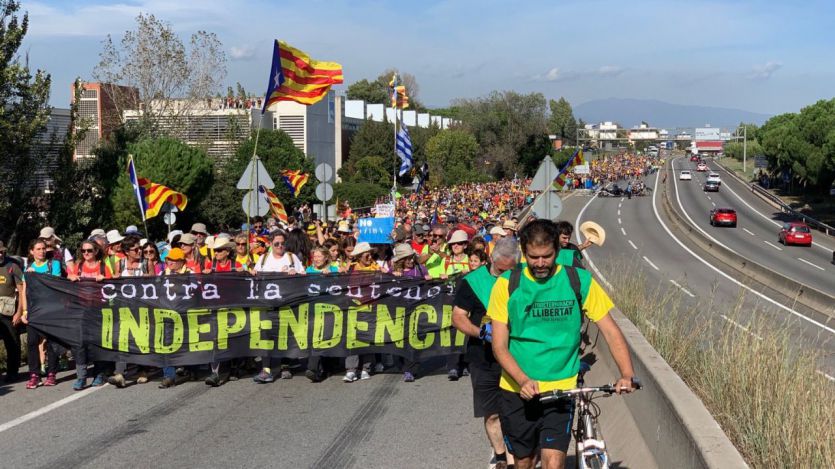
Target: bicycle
590,448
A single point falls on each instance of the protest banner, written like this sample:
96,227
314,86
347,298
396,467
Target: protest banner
197,319
375,230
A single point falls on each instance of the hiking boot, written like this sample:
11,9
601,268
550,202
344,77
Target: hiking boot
167,383
79,384
286,374
408,377
312,376
263,377
142,378
452,375
350,377
379,367
50,380
213,380
117,380
98,381
465,372
365,375
34,381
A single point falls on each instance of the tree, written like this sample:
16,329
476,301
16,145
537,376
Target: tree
359,194
452,158
222,207
171,163
153,60
561,121
377,91
372,139
23,115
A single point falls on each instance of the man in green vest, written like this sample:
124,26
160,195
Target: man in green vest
570,253
435,251
469,316
536,312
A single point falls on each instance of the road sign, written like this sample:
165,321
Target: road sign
255,204
324,191
324,172
548,205
255,175
169,218
545,175
760,162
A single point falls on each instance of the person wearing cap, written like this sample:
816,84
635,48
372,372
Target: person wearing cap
510,227
419,232
223,248
195,261
113,251
458,261
496,233
434,253
175,264
131,265
472,297
11,311
198,230
570,253
55,250
536,312
363,259
404,264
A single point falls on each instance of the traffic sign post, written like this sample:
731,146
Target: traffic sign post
255,204
324,173
255,175
548,204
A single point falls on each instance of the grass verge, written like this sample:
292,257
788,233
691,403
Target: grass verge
764,391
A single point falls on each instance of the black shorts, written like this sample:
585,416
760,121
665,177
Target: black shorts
528,425
485,380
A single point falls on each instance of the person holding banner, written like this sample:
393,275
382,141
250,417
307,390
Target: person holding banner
130,266
175,264
38,263
244,259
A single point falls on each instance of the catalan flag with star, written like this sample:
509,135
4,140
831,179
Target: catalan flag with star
151,196
294,76
575,160
294,180
276,207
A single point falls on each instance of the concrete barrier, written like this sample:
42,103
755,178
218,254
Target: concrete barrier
674,424
751,270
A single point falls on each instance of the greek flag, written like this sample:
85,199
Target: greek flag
404,150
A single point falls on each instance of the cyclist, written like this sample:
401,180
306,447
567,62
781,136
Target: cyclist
536,318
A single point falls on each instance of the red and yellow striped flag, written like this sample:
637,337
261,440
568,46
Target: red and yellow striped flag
294,76
294,180
156,195
276,207
576,160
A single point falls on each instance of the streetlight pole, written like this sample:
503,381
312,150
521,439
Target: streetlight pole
745,149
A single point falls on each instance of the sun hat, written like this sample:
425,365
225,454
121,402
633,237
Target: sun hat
175,254
402,251
497,230
173,234
97,232
48,232
131,229
361,248
114,237
509,225
187,238
223,243
593,232
458,236
199,228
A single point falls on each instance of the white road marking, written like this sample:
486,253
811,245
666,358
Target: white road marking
37,413
773,245
682,288
813,265
619,222
633,245
741,327
622,199
714,203
618,212
829,377
749,232
623,231
651,264
708,198
620,204
687,215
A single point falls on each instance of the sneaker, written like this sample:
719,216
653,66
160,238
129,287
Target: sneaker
167,383
465,372
452,375
365,375
142,378
117,380
213,380
50,380
34,381
79,384
408,377
350,377
98,381
263,377
379,367
500,465
286,374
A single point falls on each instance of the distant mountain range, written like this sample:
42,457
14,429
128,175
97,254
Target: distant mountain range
630,112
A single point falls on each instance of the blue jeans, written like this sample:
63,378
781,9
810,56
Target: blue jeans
169,372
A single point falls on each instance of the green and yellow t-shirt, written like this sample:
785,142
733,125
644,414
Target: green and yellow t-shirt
544,323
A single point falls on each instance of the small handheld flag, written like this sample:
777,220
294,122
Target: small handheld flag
294,180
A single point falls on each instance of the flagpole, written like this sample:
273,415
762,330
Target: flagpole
254,175
394,173
142,213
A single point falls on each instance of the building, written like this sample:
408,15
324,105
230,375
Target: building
48,145
99,112
643,133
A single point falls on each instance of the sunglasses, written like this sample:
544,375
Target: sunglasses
278,244
133,249
240,244
197,233
458,244
88,251
437,236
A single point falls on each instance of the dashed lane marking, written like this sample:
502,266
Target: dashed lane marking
651,264
813,265
623,231
678,285
749,232
773,245
633,245
741,327
619,222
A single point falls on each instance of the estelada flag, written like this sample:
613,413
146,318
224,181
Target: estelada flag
294,180
575,160
294,76
152,196
276,207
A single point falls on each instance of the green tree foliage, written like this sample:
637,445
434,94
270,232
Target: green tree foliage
377,91
561,122
503,124
171,163
23,114
452,158
372,139
358,194
803,144
221,209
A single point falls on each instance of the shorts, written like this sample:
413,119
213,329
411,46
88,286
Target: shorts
485,380
528,425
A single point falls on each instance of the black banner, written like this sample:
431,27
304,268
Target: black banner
195,319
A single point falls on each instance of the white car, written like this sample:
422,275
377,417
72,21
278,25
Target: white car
685,176
713,177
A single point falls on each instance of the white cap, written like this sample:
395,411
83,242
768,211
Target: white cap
114,237
132,229
48,232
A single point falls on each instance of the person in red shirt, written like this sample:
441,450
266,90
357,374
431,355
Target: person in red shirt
223,249
194,260
419,232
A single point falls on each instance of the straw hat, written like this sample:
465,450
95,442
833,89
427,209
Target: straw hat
509,225
223,243
114,237
361,248
402,251
458,236
48,232
497,230
593,232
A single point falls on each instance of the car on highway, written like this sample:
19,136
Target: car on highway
711,186
701,167
723,217
714,178
685,176
694,158
795,232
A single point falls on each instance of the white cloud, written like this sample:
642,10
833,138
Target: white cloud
242,53
553,74
764,72
609,71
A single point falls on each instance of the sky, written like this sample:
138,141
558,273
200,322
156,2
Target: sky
762,56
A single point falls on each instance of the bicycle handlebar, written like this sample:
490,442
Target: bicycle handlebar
554,395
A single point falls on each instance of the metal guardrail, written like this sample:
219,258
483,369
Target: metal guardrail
818,225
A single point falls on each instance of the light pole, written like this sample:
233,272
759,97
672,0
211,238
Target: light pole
744,147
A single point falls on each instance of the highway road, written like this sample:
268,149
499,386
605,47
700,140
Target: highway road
638,243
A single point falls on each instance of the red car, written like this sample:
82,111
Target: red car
694,158
723,216
795,232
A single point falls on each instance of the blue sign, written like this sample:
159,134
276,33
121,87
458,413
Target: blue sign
375,230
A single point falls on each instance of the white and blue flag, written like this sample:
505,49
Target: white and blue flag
404,150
